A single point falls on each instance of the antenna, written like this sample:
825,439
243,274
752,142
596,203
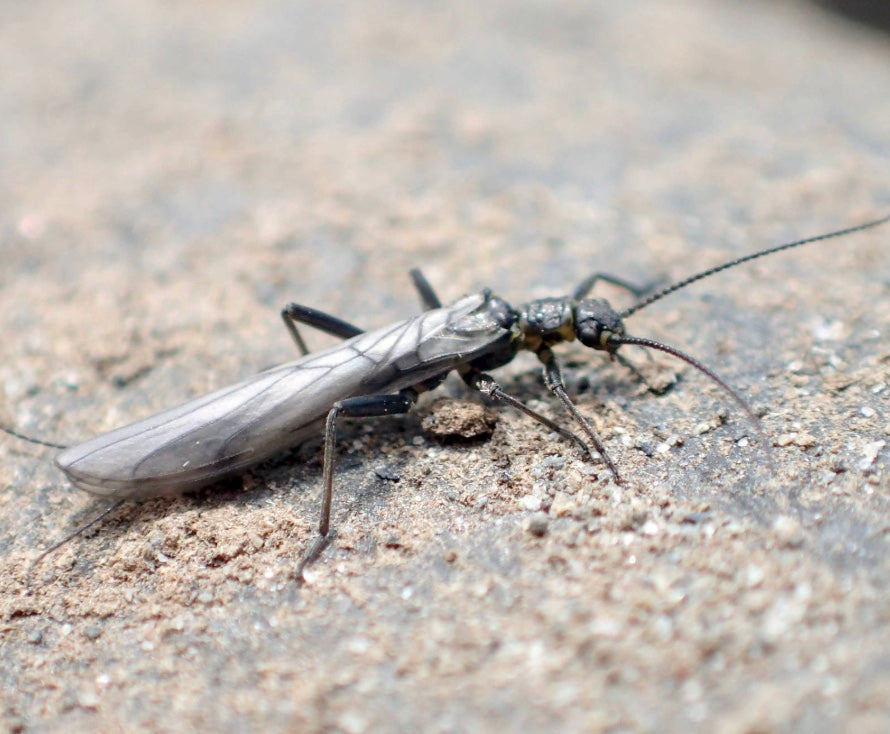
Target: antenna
658,295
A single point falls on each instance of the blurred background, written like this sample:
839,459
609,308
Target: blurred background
171,174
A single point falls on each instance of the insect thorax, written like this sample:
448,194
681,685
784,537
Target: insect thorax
549,321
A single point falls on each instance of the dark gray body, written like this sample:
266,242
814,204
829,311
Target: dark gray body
229,430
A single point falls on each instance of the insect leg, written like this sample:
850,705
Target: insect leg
365,406
487,385
554,382
294,313
427,295
587,284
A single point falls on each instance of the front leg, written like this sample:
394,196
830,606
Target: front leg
586,285
554,382
487,385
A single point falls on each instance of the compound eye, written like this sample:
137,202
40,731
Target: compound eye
596,323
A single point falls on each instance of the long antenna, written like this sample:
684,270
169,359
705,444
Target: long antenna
658,295
673,351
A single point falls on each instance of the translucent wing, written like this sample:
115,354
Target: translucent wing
238,426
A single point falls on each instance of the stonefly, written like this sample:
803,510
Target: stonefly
373,373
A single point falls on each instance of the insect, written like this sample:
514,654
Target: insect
374,373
